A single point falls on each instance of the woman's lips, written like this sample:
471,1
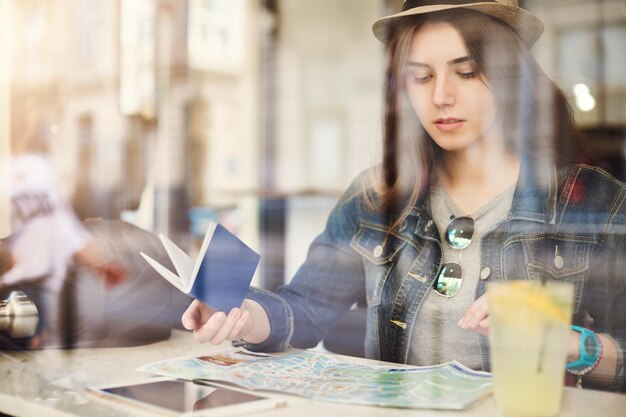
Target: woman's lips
449,125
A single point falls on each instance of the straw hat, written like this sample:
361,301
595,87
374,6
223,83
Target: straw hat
527,25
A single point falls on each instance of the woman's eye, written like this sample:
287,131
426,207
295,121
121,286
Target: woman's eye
467,74
419,78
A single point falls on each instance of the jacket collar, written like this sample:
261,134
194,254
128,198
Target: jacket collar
535,196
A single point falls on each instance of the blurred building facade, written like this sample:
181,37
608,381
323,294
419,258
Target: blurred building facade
584,50
135,106
264,108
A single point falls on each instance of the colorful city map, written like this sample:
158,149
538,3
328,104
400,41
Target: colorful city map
321,376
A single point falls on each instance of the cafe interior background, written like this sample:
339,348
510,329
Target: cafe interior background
167,114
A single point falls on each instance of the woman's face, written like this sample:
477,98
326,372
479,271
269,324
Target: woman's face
452,103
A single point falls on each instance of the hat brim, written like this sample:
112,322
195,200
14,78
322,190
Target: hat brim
527,25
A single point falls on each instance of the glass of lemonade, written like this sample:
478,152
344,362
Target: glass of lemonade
528,339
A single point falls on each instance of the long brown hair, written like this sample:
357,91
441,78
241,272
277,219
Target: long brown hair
535,114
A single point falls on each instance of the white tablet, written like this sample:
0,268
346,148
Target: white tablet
173,397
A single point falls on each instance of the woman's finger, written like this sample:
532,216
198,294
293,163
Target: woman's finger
475,314
207,331
227,325
238,330
191,316
196,315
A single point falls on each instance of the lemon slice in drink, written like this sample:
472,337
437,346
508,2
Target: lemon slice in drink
532,295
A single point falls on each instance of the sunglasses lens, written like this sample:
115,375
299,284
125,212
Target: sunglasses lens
449,279
459,232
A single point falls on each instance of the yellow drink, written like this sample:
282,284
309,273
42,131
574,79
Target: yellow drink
528,339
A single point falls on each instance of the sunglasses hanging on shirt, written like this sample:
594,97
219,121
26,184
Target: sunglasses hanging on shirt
458,235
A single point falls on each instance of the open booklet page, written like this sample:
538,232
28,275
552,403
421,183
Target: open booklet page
322,377
221,274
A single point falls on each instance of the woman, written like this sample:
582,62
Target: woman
477,184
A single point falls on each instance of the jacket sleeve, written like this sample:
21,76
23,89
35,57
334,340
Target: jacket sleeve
604,299
329,282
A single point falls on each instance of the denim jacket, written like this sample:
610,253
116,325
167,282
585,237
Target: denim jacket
566,223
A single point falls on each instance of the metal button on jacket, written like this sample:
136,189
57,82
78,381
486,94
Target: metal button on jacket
484,274
558,262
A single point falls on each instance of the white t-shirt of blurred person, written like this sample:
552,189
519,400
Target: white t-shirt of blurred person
45,231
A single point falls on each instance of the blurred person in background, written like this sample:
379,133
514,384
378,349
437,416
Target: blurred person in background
46,234
6,258
481,158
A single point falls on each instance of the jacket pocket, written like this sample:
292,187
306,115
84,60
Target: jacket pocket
380,251
561,258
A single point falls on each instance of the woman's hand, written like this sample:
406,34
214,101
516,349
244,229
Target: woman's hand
213,326
476,318
109,271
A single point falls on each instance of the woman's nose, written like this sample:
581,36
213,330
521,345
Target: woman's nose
444,92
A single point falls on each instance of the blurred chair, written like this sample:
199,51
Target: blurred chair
143,309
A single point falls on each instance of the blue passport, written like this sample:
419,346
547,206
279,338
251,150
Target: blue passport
220,276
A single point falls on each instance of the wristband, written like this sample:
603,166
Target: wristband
590,348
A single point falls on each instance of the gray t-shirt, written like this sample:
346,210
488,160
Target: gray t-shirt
436,337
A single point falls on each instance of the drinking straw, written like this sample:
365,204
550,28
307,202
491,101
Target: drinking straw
545,326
